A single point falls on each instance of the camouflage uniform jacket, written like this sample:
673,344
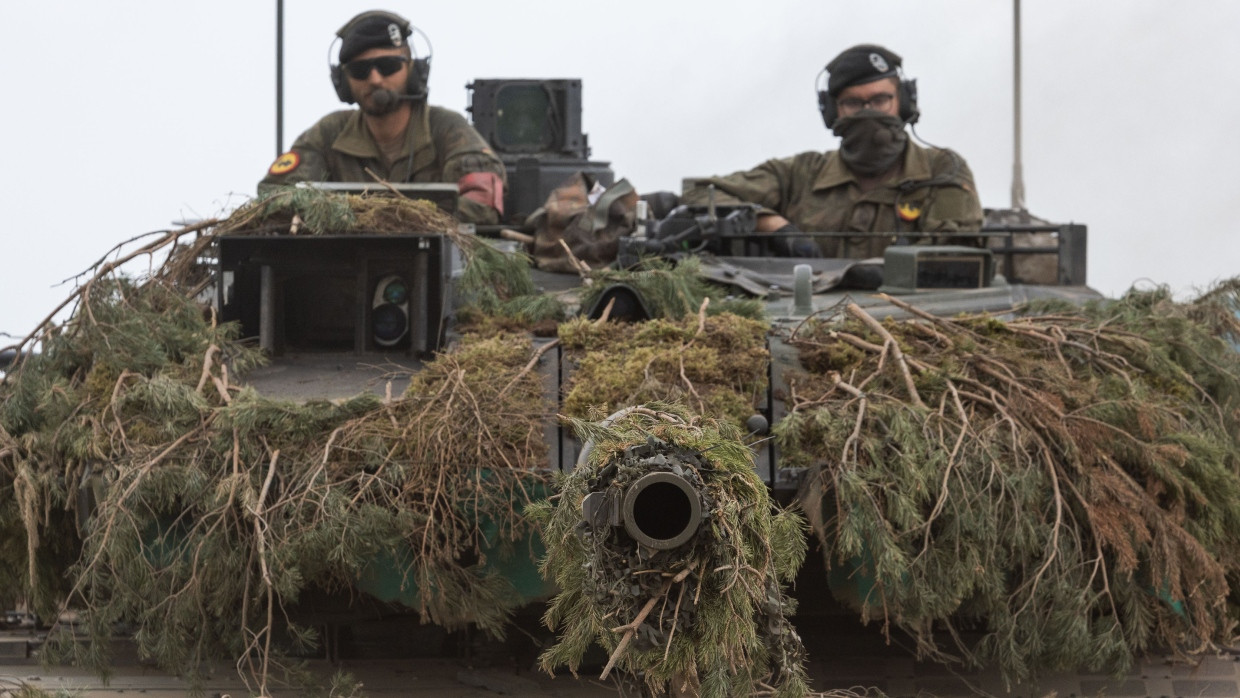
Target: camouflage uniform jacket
442,147
932,191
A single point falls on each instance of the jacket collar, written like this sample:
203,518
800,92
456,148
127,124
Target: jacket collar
355,139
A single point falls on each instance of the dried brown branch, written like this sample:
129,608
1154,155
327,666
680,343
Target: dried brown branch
510,234
538,354
894,346
630,629
104,270
606,314
206,367
583,269
383,182
260,538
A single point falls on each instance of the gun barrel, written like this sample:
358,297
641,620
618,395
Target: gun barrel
661,510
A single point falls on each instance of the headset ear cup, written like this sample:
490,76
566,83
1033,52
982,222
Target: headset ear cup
419,76
826,107
909,112
341,84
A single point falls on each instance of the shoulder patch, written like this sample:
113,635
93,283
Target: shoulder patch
285,164
909,212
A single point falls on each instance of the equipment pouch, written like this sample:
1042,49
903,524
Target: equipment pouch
588,220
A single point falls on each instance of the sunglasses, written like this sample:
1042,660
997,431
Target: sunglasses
852,105
386,65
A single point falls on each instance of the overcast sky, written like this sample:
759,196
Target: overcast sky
125,116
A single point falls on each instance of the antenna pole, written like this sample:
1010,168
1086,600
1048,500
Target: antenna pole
1018,178
279,78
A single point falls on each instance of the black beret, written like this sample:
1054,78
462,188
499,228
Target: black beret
861,64
372,30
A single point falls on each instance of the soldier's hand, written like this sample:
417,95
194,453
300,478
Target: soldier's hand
794,245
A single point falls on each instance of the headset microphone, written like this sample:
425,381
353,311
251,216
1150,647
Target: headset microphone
383,99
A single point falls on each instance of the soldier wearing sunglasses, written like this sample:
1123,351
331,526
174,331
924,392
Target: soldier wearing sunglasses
878,181
393,132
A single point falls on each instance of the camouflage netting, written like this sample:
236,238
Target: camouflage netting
709,615
218,507
1054,492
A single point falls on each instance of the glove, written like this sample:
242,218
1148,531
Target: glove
787,246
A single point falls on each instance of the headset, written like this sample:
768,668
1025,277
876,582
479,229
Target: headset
907,93
419,72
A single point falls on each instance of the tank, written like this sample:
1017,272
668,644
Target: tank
340,425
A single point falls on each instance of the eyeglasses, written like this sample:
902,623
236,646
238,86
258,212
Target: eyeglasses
386,65
852,105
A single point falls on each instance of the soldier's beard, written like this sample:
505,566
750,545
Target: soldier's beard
871,142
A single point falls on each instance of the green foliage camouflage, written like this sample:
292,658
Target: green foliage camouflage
672,292
709,615
308,211
716,365
500,296
219,508
1057,491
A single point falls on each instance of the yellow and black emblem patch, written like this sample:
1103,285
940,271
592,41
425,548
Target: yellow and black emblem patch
285,164
908,212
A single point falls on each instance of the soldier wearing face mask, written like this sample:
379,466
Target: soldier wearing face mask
878,181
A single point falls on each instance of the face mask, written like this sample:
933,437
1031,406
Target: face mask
872,142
